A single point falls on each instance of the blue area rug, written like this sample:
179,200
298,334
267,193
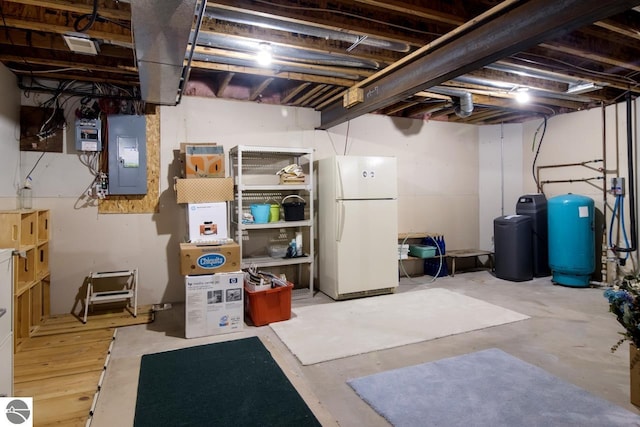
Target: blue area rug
486,388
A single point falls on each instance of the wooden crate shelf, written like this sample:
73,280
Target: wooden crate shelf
42,260
19,228
28,231
43,226
25,269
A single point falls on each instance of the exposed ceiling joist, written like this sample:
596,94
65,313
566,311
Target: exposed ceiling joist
259,88
323,17
337,45
289,95
597,57
308,95
108,37
223,83
123,69
123,14
326,96
616,27
272,73
516,30
422,12
287,39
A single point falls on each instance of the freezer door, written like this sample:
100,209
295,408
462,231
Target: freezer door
366,177
366,242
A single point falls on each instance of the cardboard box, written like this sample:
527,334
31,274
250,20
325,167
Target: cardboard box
207,222
208,259
214,304
269,306
203,160
204,190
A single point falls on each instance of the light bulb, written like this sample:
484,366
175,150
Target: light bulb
522,95
263,57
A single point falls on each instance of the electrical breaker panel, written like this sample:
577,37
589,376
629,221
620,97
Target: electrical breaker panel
89,135
127,155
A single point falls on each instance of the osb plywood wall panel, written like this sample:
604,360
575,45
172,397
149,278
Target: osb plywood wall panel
149,202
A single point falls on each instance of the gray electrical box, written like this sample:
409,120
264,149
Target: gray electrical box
127,155
617,186
88,135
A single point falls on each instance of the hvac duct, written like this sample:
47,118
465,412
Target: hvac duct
161,31
465,107
282,25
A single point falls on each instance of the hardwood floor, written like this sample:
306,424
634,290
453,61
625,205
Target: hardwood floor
63,364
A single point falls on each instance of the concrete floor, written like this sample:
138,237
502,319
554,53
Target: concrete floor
569,334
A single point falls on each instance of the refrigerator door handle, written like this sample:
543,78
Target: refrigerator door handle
339,221
339,186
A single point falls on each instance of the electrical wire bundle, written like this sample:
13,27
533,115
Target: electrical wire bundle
55,121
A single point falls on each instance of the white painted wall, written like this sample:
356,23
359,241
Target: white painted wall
438,188
583,136
437,171
450,178
500,176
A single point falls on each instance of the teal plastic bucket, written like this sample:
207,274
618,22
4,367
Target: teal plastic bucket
260,213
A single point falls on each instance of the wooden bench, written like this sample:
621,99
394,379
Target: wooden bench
414,238
468,253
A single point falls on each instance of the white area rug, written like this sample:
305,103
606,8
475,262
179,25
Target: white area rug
330,331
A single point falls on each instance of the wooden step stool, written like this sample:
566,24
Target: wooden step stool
129,291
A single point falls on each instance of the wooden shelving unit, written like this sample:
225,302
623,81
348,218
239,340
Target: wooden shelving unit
414,238
27,232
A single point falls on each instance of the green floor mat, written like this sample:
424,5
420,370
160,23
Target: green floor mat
233,383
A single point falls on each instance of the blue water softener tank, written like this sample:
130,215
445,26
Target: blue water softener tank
571,239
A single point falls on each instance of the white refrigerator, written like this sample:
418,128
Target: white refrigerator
357,226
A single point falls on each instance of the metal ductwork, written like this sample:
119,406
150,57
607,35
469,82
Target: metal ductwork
293,27
248,45
464,107
161,31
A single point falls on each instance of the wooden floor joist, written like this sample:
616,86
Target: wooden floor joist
62,365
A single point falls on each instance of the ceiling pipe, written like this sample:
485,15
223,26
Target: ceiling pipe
464,107
523,70
509,87
248,45
277,24
279,68
514,31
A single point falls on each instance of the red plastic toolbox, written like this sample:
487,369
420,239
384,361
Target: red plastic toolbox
268,306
